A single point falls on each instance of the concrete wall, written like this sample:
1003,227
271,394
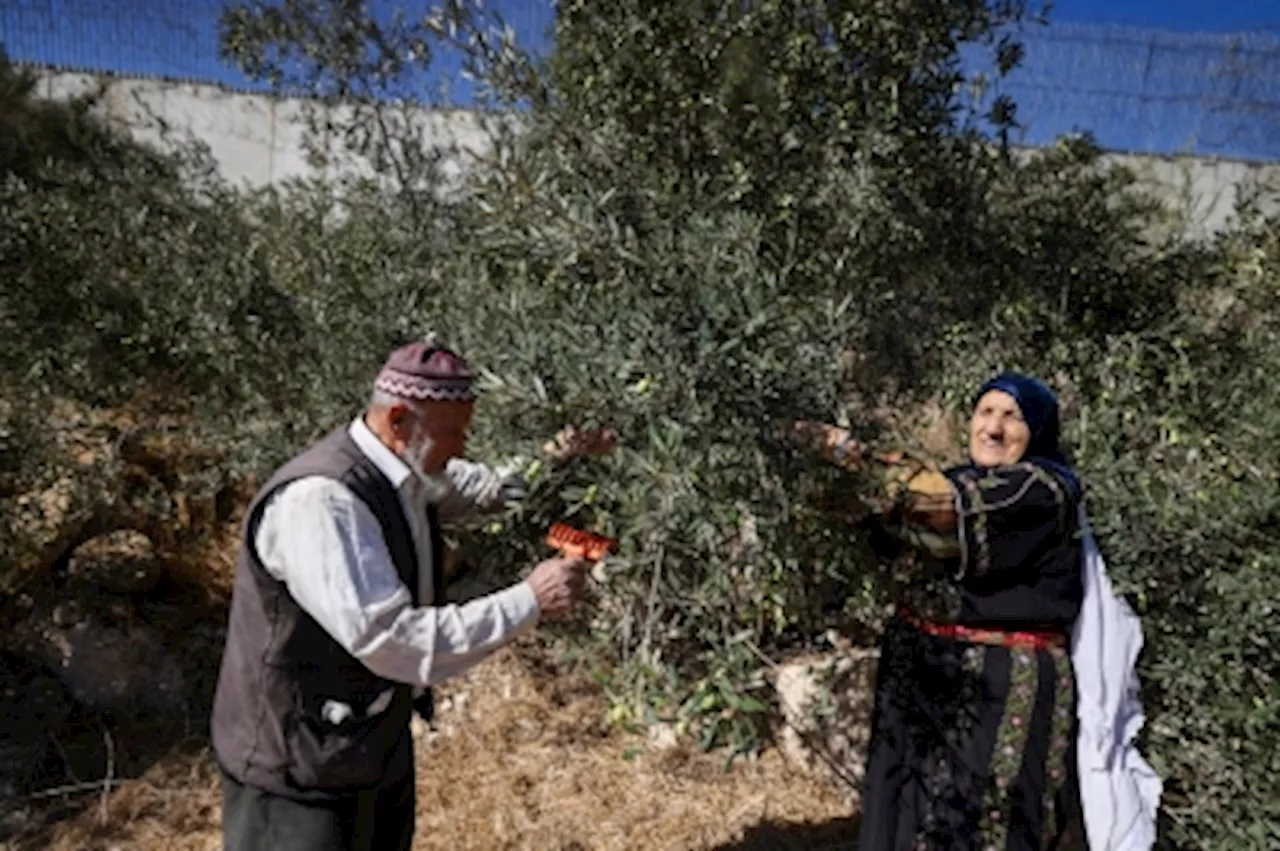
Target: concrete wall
257,140
1207,191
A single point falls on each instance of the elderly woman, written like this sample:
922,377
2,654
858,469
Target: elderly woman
973,736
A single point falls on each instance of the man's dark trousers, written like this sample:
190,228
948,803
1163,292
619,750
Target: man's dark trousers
377,820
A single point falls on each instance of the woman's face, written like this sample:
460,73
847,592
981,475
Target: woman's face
998,435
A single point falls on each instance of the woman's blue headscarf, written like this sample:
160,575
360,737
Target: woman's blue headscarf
1039,407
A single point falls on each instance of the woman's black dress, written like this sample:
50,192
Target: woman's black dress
972,743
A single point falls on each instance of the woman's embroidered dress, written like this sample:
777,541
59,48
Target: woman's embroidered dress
973,735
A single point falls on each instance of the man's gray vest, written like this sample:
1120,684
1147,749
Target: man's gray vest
280,667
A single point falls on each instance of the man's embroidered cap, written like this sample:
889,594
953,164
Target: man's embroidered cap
426,371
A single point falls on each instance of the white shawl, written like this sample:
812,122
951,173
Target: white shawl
1120,792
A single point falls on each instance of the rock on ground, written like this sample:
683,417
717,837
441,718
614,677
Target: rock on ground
112,667
123,562
826,703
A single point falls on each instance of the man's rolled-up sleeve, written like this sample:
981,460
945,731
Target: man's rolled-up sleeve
476,488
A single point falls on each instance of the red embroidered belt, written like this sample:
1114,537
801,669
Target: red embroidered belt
993,637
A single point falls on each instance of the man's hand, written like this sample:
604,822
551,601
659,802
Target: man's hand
572,443
557,584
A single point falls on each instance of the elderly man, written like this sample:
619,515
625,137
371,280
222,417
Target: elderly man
338,617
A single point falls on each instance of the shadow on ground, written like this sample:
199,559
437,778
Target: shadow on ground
837,835
96,688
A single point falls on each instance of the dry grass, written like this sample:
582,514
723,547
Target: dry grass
517,761
174,806
526,765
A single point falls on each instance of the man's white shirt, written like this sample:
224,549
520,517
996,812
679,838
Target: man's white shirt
327,547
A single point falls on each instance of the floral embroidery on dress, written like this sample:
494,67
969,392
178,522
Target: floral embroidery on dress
1011,744
1056,768
977,509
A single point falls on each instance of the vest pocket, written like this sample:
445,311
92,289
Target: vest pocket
347,755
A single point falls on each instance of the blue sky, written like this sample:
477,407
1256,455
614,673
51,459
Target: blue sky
1184,15
1162,76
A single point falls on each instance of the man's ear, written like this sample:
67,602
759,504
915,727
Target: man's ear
400,419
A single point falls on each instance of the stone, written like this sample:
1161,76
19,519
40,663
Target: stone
122,562
663,737
105,666
826,702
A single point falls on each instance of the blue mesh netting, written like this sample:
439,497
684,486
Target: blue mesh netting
178,39
1150,90
1137,90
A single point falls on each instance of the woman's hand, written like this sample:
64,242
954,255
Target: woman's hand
832,443
815,435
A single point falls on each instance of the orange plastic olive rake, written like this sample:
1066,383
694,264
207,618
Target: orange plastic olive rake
575,543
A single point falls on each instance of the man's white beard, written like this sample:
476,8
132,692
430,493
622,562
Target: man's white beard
435,486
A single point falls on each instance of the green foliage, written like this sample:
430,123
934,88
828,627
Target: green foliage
124,266
760,100
707,220
1185,496
697,354
132,278
39,135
